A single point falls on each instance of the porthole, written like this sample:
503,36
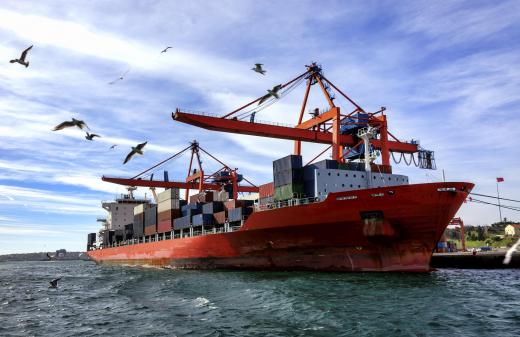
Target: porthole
362,176
354,175
359,186
342,185
338,174
351,186
329,173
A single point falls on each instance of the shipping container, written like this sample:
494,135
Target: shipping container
266,190
191,209
289,191
164,226
220,217
266,200
212,207
206,196
221,196
287,163
168,215
232,204
170,204
286,177
139,209
202,220
150,216
352,166
239,213
169,194
150,230
182,223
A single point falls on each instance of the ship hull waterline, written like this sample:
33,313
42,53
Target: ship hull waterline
381,229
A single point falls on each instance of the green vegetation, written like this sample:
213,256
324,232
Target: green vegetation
479,236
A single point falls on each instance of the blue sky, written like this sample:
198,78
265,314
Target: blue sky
447,72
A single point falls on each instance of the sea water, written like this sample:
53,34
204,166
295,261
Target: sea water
97,300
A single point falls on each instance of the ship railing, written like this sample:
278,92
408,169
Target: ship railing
287,203
209,114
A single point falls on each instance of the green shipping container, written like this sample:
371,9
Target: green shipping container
289,191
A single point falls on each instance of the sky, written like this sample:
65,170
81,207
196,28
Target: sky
447,72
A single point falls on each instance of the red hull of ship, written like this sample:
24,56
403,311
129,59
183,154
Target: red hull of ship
328,236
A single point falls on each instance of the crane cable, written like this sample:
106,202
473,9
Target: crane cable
494,197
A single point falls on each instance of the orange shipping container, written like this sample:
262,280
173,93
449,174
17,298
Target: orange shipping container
164,226
150,230
220,217
266,190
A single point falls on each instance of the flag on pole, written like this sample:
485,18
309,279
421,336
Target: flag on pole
499,180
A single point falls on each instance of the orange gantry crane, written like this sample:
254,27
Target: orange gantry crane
460,223
196,178
325,127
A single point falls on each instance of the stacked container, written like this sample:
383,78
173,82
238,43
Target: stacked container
150,220
182,222
266,193
138,228
213,207
202,220
239,213
206,196
168,208
191,209
288,177
232,204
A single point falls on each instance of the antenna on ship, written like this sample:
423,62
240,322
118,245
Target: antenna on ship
131,190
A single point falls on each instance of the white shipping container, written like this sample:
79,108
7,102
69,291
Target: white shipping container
168,204
172,193
139,209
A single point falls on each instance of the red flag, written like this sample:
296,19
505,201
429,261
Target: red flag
499,180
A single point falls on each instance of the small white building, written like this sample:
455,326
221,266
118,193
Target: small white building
512,230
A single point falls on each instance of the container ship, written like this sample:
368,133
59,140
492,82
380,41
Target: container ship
347,213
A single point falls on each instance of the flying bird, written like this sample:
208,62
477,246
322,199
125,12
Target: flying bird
113,147
21,60
137,149
90,136
165,49
120,78
50,257
272,92
54,283
258,68
68,124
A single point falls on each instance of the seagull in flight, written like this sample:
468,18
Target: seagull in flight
113,147
50,257
90,136
165,49
21,60
68,124
54,283
258,68
135,150
120,78
273,92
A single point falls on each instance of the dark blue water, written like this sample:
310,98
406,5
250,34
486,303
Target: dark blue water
122,301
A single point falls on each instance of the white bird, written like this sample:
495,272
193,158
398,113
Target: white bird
135,150
21,60
273,92
258,68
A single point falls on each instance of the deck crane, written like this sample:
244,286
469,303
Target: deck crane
331,127
224,178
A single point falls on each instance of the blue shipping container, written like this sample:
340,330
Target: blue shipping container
213,207
182,223
202,220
